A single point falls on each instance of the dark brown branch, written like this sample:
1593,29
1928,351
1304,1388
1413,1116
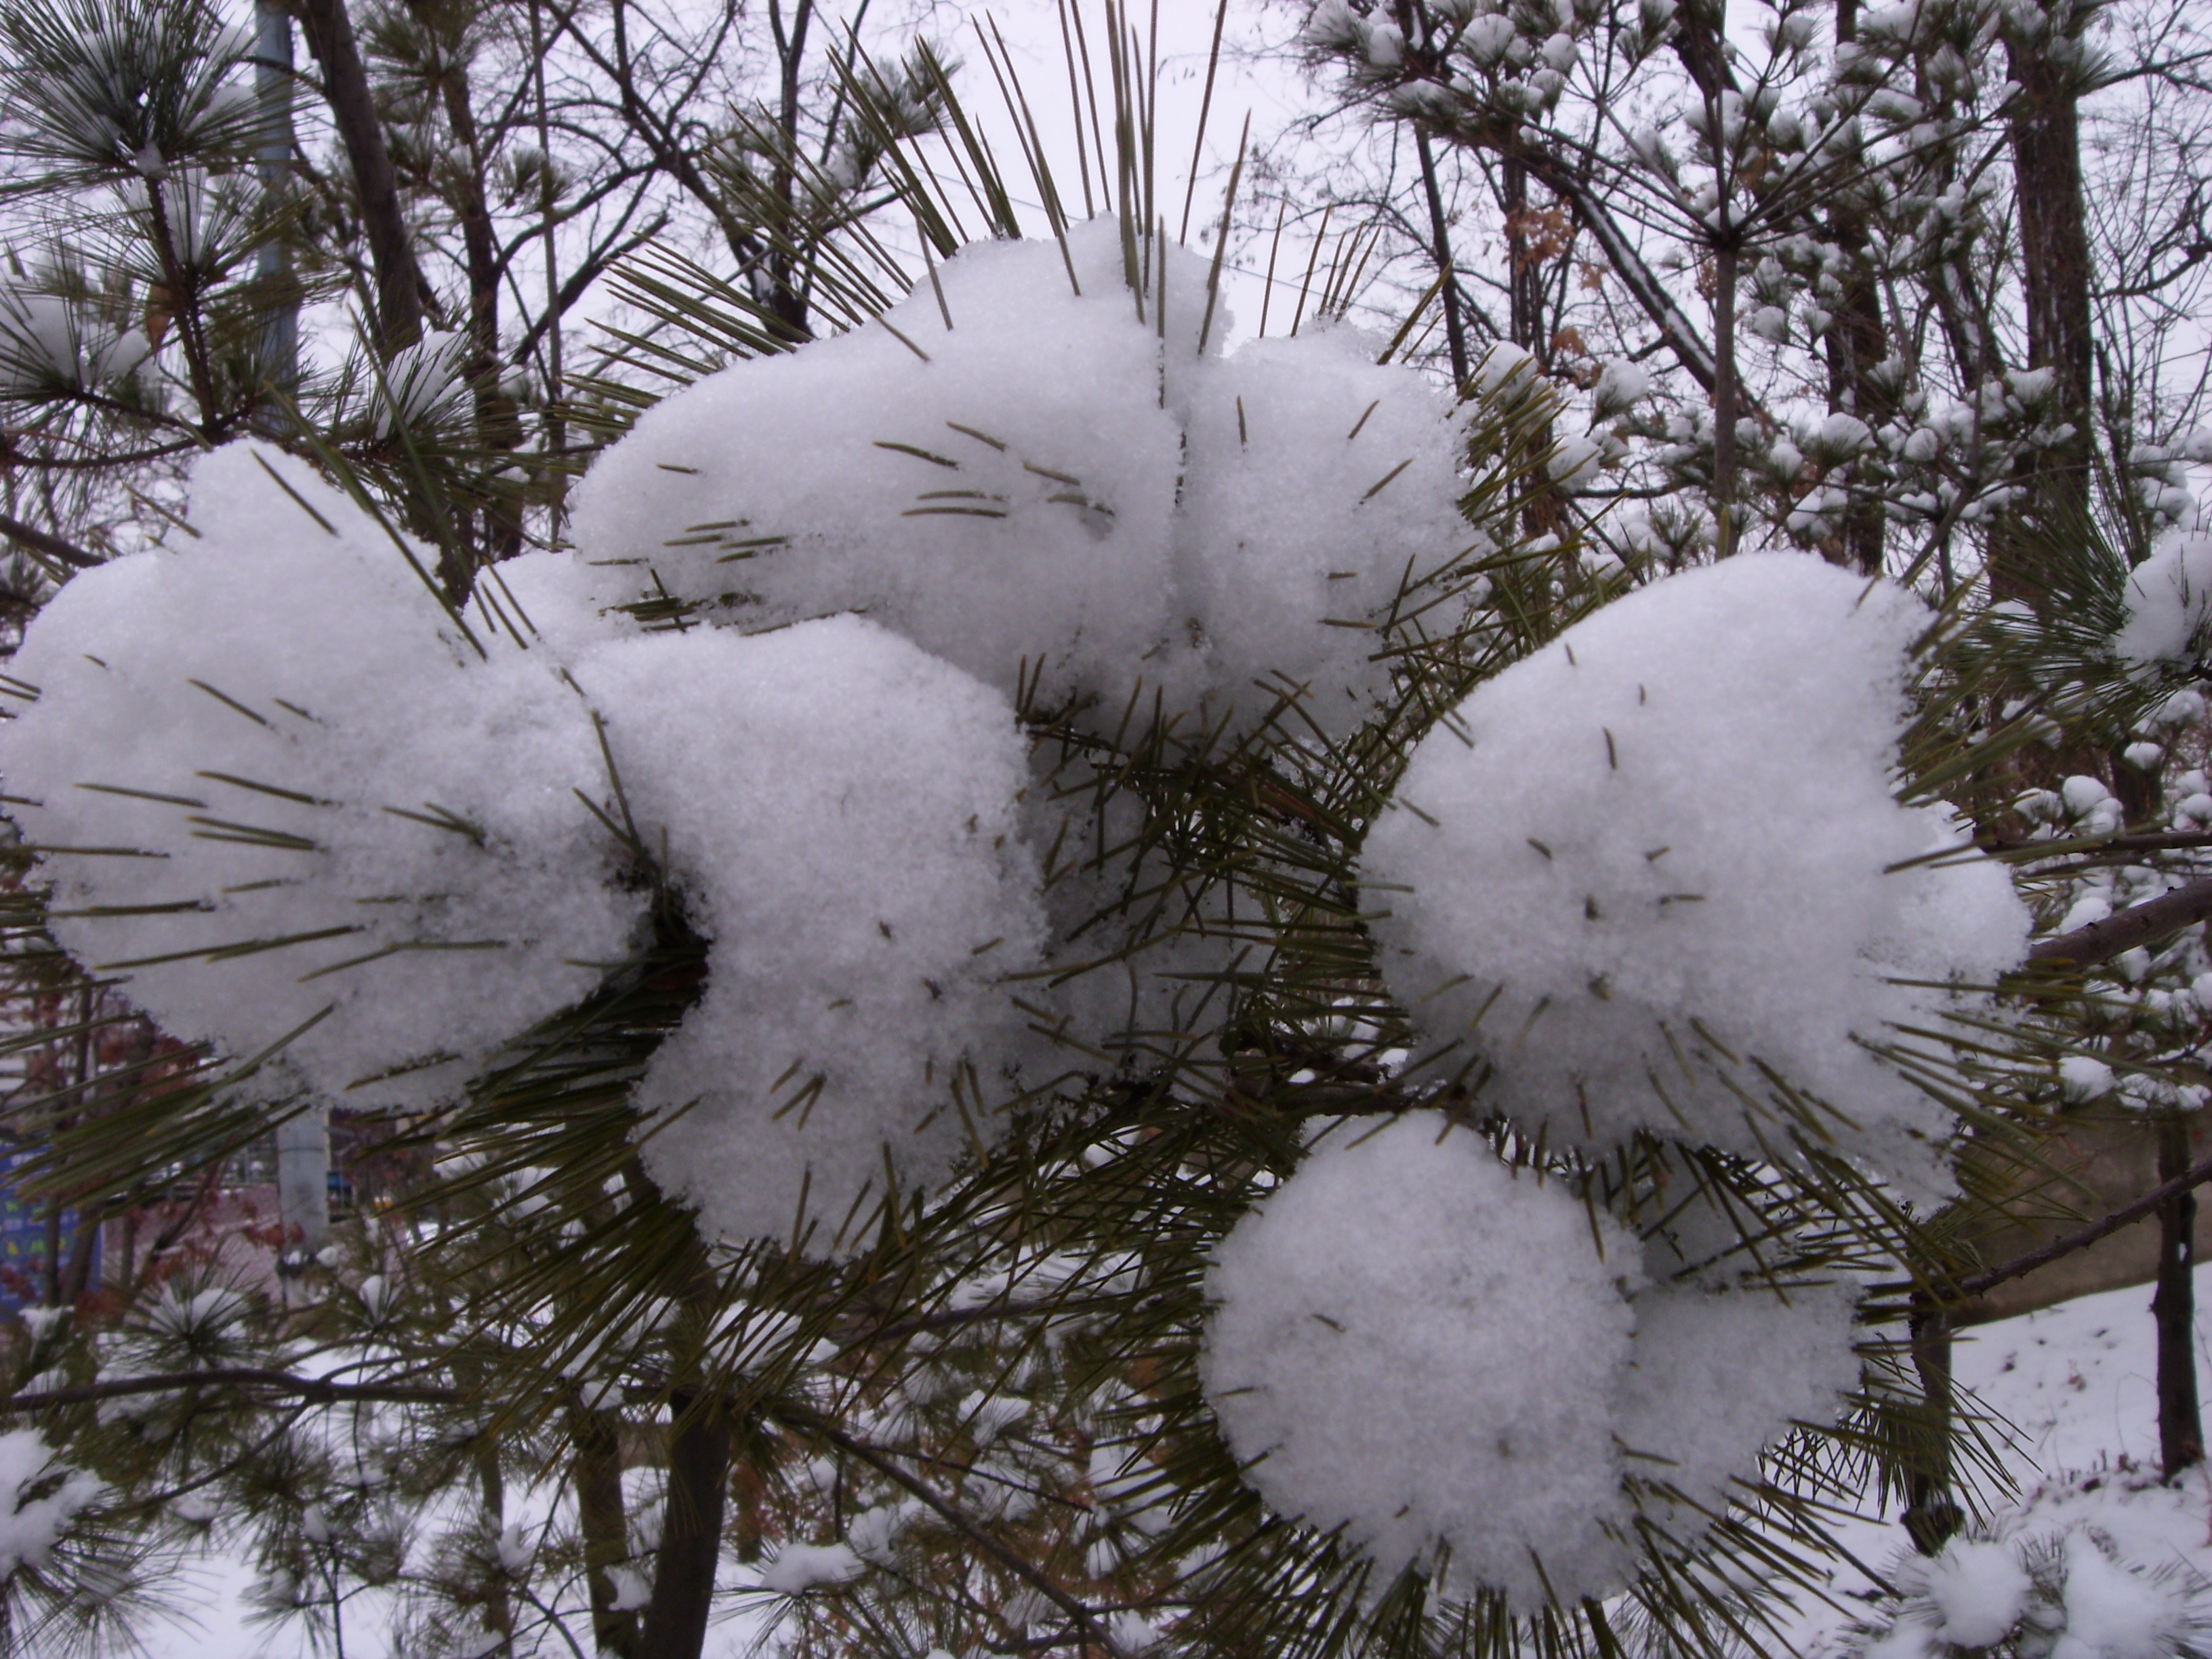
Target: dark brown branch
2103,1227
314,1389
597,1437
352,110
53,547
675,1622
1439,229
2180,1420
2125,930
944,1319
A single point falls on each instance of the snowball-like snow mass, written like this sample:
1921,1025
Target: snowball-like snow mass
1050,490
1718,1375
2081,1601
837,808
39,1499
1415,1344
1645,879
1975,1592
294,806
1420,1345
2169,597
280,796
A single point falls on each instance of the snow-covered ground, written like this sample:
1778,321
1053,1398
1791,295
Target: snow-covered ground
2076,1383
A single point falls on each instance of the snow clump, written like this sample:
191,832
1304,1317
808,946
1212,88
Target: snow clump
295,804
836,807
280,795
39,1499
1638,881
1414,1344
2070,1594
1718,1375
1051,491
2169,597
1420,1345
798,1568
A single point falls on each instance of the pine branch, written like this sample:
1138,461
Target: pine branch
40,541
1085,1618
314,1389
353,108
2125,930
2103,1227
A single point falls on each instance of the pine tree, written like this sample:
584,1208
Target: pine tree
1073,993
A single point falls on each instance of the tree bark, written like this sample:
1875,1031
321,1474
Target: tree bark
1857,344
280,334
1724,398
786,299
1700,43
606,1533
497,428
2180,1426
1932,1517
1543,506
329,36
2055,273
1440,233
690,1534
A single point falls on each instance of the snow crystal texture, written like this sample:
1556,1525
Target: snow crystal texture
1719,1376
1437,1353
1050,492
1420,1347
1636,882
837,806
282,798
39,1500
2168,596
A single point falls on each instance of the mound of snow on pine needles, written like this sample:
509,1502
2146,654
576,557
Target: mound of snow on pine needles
39,1499
1023,470
293,804
2072,1590
2169,598
1644,879
281,795
836,807
1434,1353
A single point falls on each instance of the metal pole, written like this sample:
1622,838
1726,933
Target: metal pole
303,1189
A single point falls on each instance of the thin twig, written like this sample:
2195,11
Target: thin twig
40,541
1085,1617
2103,1227
311,1388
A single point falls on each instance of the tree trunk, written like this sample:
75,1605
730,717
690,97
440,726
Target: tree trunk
2054,244
2180,1428
690,1534
280,334
1931,1517
607,1533
497,426
1857,344
1440,233
1543,509
1724,398
352,110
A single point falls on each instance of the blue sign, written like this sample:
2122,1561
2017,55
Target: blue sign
24,1278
